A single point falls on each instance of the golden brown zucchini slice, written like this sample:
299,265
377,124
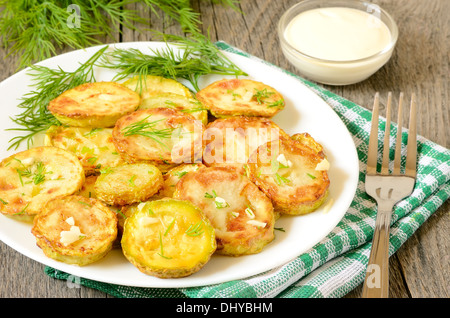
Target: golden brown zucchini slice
241,97
75,230
93,146
162,136
88,191
168,238
98,104
150,85
241,214
291,174
230,141
187,105
30,178
127,184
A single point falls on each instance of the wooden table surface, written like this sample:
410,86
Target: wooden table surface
420,64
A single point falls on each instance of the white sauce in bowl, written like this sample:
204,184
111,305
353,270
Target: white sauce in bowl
337,34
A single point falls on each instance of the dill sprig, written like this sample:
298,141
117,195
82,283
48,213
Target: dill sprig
147,129
48,84
198,57
36,29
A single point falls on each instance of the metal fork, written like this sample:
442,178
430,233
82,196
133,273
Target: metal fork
387,189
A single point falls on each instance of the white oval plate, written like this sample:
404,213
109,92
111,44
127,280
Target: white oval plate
304,112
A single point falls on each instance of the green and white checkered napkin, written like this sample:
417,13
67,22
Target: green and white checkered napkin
337,264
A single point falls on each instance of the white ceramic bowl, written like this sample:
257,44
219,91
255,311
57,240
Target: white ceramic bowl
336,72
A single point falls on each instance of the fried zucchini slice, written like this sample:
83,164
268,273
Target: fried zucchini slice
98,104
164,137
127,184
187,105
152,84
230,141
240,213
174,175
293,175
241,97
88,191
168,238
93,146
30,178
75,230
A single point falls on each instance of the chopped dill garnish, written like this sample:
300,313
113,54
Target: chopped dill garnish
180,174
147,129
161,248
260,94
169,227
92,132
23,210
281,180
84,203
131,181
38,176
195,230
277,103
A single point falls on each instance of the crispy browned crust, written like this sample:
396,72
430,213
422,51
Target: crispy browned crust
297,195
98,104
93,147
234,234
23,196
240,97
136,148
247,133
128,184
95,220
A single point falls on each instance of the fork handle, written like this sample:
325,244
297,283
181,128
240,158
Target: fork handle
376,283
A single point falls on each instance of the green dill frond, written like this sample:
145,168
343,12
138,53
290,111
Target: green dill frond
196,56
48,84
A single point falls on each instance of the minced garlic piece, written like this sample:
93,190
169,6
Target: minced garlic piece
140,206
144,221
220,202
73,235
247,96
250,213
257,223
27,161
323,165
70,221
283,161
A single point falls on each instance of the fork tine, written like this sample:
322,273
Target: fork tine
410,168
385,163
373,138
398,143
